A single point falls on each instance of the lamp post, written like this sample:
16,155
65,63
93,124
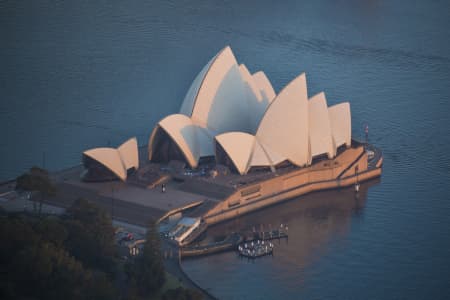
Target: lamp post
366,131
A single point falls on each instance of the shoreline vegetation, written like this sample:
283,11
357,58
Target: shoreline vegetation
74,255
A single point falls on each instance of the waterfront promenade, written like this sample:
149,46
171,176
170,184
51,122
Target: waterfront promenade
133,204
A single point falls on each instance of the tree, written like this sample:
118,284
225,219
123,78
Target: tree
181,294
53,229
36,180
91,235
147,270
34,264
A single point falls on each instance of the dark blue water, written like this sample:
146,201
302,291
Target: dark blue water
83,74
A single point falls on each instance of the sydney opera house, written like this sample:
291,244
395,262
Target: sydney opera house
234,120
236,117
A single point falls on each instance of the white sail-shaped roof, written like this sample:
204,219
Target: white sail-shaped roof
264,86
284,126
319,127
189,100
129,153
282,134
221,99
264,157
249,80
183,132
257,103
253,125
119,160
259,157
341,124
110,158
205,138
246,151
238,146
274,157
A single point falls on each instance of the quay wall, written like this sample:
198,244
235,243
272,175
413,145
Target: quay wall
345,170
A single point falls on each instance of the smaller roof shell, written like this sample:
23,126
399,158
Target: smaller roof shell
110,158
129,153
319,127
238,146
341,124
264,86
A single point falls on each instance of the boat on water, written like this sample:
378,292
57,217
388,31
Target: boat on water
255,249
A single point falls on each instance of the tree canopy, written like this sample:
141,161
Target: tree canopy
91,235
147,270
74,256
34,264
36,179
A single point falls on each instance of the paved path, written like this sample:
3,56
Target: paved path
69,185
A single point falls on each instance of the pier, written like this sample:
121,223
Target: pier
230,243
237,241
270,235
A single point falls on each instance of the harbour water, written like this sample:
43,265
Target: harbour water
83,74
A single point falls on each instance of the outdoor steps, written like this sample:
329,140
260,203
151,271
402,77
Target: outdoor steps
200,210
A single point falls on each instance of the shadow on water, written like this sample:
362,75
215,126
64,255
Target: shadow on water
339,204
315,221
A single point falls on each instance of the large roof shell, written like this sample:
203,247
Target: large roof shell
284,127
319,127
223,98
253,125
183,132
220,103
187,106
257,103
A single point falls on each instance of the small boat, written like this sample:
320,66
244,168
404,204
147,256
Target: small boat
255,249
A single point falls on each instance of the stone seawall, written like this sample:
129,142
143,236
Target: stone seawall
346,170
267,200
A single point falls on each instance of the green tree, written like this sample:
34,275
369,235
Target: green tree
91,235
36,180
182,294
53,229
35,265
147,270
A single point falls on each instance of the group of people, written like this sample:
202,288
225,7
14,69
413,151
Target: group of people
255,248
